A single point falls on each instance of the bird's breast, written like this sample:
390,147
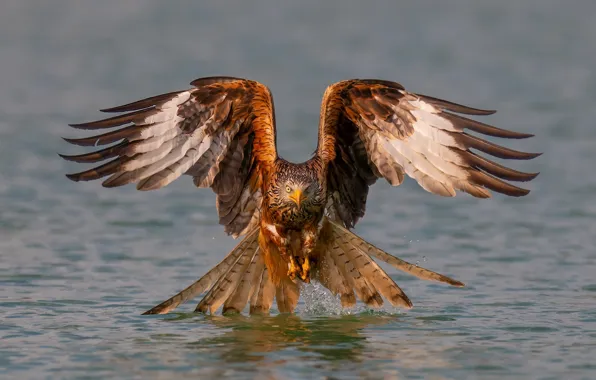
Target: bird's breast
296,218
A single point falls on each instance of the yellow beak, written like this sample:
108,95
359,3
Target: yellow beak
296,196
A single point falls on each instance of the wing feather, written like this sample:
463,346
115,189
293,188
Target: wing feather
221,132
407,133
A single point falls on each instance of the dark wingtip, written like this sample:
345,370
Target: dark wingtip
113,109
529,156
531,176
214,79
78,142
74,141
111,184
455,107
387,83
84,125
107,110
520,192
75,158
73,177
65,157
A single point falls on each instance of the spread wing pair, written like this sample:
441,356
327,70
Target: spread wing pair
222,133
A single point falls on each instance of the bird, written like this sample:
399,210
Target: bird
295,220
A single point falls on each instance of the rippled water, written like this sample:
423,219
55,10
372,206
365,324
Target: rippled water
78,263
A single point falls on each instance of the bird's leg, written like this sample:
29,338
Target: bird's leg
285,250
308,241
305,274
283,243
293,269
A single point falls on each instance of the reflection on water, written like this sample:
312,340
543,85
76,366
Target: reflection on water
248,339
366,344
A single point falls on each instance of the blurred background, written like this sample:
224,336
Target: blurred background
79,263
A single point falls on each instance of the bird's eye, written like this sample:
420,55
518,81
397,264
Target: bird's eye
288,190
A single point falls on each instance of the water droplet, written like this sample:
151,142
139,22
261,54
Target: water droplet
417,262
424,258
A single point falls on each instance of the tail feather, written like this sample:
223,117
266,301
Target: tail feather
373,273
351,256
204,282
239,298
262,293
227,283
343,265
287,295
330,277
397,263
363,289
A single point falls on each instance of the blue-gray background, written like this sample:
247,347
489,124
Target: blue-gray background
78,263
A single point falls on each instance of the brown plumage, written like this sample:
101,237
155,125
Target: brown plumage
295,217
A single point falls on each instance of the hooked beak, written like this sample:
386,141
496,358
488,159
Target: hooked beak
297,197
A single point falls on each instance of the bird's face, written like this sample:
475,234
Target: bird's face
300,194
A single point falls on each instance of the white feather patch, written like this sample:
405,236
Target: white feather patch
176,101
434,120
432,147
420,168
154,142
421,105
149,158
174,155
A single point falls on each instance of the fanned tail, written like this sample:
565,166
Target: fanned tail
286,295
397,263
358,283
263,292
228,283
239,298
217,275
375,275
332,278
344,265
347,266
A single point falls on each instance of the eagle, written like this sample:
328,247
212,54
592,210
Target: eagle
295,219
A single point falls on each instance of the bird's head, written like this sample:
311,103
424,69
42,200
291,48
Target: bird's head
296,187
299,193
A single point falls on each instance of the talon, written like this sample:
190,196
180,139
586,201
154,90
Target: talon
305,275
292,268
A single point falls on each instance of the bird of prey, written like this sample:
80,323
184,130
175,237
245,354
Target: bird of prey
295,219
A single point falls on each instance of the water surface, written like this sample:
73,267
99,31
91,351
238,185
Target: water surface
79,263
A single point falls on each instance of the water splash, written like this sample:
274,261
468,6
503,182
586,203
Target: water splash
316,300
319,301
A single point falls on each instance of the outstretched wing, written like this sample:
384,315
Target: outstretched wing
221,132
373,129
